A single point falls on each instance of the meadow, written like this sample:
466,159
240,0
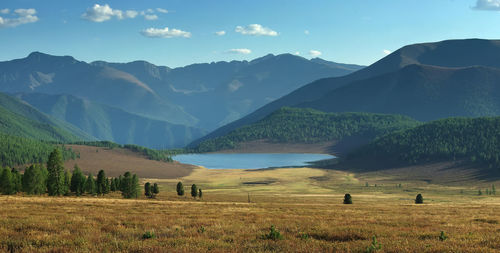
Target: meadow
239,207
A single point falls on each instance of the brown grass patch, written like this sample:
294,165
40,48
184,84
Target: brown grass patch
117,161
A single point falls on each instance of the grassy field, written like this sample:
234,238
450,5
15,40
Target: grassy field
304,204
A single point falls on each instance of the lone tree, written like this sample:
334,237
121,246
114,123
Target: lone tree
55,180
180,189
147,190
347,198
419,199
200,193
194,191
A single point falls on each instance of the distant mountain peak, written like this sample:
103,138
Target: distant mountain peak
37,56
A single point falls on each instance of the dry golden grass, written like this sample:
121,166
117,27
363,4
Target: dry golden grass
117,161
303,203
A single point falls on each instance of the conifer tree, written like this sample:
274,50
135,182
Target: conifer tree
180,189
16,180
200,193
419,199
6,182
130,185
55,180
90,186
77,181
113,185
347,198
67,183
156,189
34,180
101,182
194,191
147,190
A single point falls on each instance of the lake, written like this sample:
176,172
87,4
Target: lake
249,161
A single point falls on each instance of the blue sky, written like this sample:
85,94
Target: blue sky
349,31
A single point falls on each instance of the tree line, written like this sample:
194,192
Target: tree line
300,125
151,154
19,150
56,181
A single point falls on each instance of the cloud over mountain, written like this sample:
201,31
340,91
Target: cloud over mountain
165,33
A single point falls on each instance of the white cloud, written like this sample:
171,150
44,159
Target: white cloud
487,5
220,33
314,53
161,10
165,33
131,14
4,11
256,30
239,51
101,13
23,16
306,32
386,52
150,17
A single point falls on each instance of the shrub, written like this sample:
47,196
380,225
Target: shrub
148,235
273,234
347,198
180,189
442,236
374,246
419,199
194,191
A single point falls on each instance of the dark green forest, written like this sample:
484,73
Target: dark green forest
295,125
16,150
472,139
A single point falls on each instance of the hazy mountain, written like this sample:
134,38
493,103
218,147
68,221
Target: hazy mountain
451,53
20,119
421,92
218,93
48,74
108,123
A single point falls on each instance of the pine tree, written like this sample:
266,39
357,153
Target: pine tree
90,186
101,182
180,189
67,183
194,191
55,180
113,185
130,185
107,186
347,198
77,181
156,189
17,180
493,190
147,190
34,180
200,193
6,182
419,199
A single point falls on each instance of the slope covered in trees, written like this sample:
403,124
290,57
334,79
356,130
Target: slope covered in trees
20,119
471,139
293,125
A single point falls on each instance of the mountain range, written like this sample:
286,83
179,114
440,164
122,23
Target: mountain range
156,106
425,81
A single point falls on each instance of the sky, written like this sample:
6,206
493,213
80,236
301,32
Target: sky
176,33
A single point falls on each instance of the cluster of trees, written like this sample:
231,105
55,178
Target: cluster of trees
152,154
19,150
299,125
151,190
474,139
195,191
57,181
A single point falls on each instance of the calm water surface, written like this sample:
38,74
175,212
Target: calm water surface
249,161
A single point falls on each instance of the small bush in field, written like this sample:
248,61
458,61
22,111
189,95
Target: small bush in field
419,199
273,234
148,235
374,246
442,236
347,198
